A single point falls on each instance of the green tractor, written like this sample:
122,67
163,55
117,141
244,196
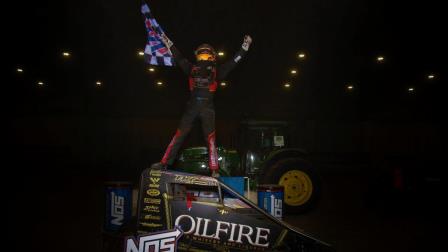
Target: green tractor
264,156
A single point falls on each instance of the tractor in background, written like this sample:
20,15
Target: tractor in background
263,154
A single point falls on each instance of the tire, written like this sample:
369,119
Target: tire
302,185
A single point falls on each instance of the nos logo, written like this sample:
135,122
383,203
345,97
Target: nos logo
117,209
154,242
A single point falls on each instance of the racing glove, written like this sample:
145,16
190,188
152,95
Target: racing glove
246,43
168,43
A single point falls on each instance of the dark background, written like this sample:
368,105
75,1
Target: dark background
64,139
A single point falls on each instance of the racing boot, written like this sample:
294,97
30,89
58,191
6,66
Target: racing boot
159,166
215,174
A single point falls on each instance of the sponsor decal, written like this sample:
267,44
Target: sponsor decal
151,225
226,232
222,211
153,192
276,206
152,209
154,242
155,173
152,217
154,182
154,201
273,205
194,180
117,209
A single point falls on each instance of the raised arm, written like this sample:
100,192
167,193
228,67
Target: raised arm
183,63
225,68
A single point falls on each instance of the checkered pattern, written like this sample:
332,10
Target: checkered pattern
156,53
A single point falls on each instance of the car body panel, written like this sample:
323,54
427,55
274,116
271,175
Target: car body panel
213,216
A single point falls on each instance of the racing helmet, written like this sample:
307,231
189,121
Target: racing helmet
205,52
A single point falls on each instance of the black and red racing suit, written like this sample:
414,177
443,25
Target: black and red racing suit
203,82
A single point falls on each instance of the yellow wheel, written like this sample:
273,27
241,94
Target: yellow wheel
298,187
301,183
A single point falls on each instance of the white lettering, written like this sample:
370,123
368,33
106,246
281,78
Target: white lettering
241,234
232,232
165,241
198,226
193,223
219,229
204,233
260,236
151,244
131,246
117,209
168,244
236,59
278,208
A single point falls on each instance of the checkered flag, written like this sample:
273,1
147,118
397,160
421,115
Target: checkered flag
156,53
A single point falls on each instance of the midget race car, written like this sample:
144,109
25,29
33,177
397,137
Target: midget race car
201,213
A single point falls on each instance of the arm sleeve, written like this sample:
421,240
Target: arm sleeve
225,68
183,63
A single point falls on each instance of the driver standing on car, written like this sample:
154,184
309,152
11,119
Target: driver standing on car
203,77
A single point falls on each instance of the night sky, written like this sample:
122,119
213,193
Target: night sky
341,40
